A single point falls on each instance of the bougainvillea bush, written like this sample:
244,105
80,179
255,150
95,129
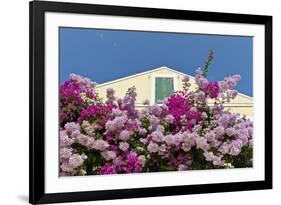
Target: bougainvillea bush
111,136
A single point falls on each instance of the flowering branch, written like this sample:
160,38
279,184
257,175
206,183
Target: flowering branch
208,62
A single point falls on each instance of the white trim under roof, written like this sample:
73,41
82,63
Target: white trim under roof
235,104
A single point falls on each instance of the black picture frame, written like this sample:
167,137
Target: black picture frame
37,10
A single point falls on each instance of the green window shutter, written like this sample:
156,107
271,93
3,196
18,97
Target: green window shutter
164,87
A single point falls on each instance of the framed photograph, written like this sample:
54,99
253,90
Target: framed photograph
141,102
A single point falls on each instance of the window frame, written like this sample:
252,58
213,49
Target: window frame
153,88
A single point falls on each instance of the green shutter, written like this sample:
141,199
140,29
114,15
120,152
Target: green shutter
164,87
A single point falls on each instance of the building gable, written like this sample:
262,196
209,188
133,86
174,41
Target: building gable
145,86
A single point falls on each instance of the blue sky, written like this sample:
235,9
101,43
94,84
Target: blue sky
104,55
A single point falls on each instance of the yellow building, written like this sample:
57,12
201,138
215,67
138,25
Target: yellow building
156,84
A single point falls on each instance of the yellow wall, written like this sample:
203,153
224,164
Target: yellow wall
144,88
142,84
245,110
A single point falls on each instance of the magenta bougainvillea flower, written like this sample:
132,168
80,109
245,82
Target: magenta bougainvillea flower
212,89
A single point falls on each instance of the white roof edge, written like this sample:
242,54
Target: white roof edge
178,72
142,73
247,96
